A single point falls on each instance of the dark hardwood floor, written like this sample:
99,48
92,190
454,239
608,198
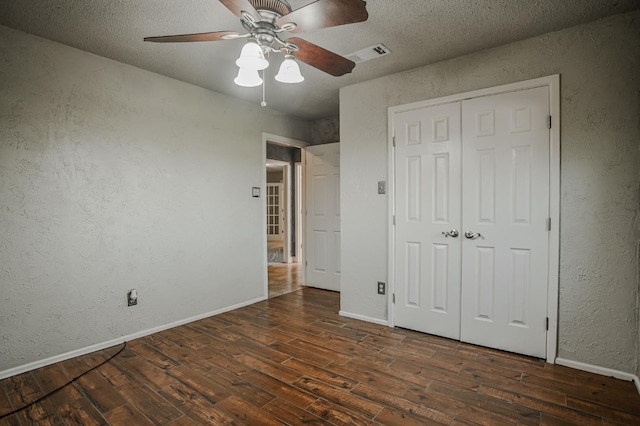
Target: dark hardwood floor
294,360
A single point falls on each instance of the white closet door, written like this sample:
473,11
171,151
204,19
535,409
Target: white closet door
322,240
427,167
506,201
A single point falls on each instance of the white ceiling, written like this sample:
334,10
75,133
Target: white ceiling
418,33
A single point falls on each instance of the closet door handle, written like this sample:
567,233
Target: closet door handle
453,233
472,235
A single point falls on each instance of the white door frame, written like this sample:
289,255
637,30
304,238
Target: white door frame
278,140
299,205
553,83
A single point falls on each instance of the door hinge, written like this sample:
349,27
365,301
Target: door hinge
549,122
394,141
548,224
394,298
547,325
305,263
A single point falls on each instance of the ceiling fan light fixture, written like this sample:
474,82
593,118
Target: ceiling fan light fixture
289,71
252,57
248,78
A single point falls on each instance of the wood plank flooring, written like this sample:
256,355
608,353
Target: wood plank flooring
284,278
294,360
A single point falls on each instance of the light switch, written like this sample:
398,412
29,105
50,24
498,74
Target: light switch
382,187
255,192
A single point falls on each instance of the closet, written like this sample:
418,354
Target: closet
472,219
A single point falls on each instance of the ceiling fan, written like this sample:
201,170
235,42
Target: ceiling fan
266,21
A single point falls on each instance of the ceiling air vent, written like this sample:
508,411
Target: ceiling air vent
369,53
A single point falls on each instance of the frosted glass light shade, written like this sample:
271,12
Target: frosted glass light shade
248,78
289,71
251,57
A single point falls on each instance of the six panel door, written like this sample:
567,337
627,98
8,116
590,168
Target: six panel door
427,163
322,189
479,167
506,201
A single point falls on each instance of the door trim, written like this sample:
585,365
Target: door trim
553,84
299,204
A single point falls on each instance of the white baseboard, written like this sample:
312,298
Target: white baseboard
364,318
104,345
603,371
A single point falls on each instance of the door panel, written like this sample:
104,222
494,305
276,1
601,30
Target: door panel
484,278
323,216
412,281
319,258
440,264
485,178
427,163
319,194
505,179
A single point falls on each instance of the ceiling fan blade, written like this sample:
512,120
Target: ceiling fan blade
237,6
326,13
322,59
181,38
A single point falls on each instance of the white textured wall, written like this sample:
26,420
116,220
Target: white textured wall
113,178
599,65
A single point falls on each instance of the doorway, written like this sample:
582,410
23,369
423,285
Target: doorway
278,198
284,202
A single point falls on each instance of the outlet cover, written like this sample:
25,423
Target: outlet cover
382,288
132,298
382,187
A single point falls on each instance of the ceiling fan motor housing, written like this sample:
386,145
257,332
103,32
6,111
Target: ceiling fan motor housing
265,30
277,7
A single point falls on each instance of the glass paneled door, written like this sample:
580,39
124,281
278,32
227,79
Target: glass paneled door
274,191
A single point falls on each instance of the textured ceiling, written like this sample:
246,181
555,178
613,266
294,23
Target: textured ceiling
418,32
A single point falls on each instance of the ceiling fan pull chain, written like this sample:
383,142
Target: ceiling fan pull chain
264,83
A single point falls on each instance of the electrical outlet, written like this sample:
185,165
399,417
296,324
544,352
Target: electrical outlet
132,297
382,288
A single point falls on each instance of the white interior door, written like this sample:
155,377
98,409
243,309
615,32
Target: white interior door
506,202
479,167
322,242
428,237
